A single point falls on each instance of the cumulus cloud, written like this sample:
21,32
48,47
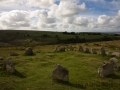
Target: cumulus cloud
14,19
9,2
69,8
53,9
81,21
109,22
65,15
40,3
68,20
103,19
118,14
36,3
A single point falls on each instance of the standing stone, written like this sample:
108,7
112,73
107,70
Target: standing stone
113,62
9,66
56,49
71,48
29,51
86,50
61,49
93,51
106,69
60,73
116,54
109,53
80,48
102,51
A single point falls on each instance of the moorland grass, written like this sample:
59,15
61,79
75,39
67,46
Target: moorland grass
35,72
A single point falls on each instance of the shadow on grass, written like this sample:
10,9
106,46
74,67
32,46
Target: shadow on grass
18,74
5,73
80,86
113,76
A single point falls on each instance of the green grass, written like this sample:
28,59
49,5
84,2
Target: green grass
34,72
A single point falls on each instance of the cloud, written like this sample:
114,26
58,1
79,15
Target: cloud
40,3
15,19
68,8
118,14
103,19
81,21
53,9
10,2
68,15
68,20
31,3
109,22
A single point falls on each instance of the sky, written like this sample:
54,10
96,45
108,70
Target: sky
60,15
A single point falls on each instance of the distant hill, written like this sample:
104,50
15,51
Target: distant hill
34,38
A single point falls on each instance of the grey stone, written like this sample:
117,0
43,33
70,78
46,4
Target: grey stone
61,49
29,51
71,48
114,63
93,51
116,54
60,73
86,50
56,49
9,66
109,53
102,51
106,69
80,48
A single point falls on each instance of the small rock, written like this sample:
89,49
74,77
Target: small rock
60,73
86,50
102,51
9,66
106,69
116,54
93,51
114,63
61,49
80,48
29,51
109,53
56,49
71,48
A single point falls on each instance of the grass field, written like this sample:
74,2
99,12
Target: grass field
34,72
